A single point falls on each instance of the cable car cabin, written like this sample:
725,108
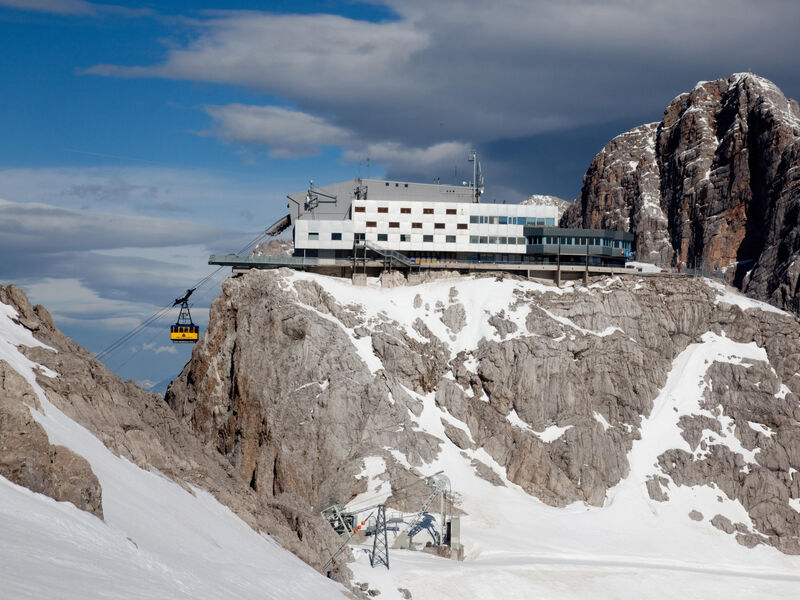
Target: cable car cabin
184,334
184,331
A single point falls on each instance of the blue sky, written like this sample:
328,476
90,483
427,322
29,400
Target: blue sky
140,137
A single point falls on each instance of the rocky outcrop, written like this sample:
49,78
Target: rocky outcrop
138,426
28,459
714,185
298,389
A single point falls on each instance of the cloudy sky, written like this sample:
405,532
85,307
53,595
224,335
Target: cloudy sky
138,138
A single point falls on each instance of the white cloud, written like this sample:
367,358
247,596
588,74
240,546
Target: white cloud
74,7
64,7
402,158
151,347
288,133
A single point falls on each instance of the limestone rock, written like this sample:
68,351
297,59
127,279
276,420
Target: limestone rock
713,184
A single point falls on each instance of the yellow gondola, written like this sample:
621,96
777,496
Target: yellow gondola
184,331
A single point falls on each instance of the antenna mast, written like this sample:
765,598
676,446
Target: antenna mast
477,177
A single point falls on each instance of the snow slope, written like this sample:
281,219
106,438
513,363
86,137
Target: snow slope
158,540
518,547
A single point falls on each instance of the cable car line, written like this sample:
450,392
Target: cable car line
112,348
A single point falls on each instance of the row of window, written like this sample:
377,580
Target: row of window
491,239
505,220
396,225
405,210
580,241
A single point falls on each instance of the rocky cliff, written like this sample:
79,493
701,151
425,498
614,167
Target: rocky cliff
131,423
716,183
314,389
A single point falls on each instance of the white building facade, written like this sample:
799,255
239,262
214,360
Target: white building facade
416,223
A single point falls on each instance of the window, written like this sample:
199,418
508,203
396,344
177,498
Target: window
405,211
493,239
450,239
416,226
463,226
383,209
360,209
383,237
484,239
358,237
336,237
522,240
405,185
313,235
494,220
372,224
387,184
427,211
474,219
427,238
474,239
451,211
404,237
396,185
438,225
503,240
394,224
503,220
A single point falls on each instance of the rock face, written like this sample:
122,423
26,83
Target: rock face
301,381
715,184
28,459
133,424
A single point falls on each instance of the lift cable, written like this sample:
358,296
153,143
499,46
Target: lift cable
121,341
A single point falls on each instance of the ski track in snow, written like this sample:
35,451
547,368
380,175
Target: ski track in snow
158,541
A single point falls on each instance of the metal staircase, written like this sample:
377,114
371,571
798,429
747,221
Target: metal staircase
390,255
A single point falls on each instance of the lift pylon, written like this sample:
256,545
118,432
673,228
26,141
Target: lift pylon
380,544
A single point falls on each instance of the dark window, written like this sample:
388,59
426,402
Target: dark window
427,211
360,209
405,185
416,226
404,237
438,225
387,184
474,239
463,226
394,224
382,237
383,209
336,237
396,185
372,224
503,220
474,219
451,211
484,239
450,239
503,240
405,211
358,237
493,239
427,238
